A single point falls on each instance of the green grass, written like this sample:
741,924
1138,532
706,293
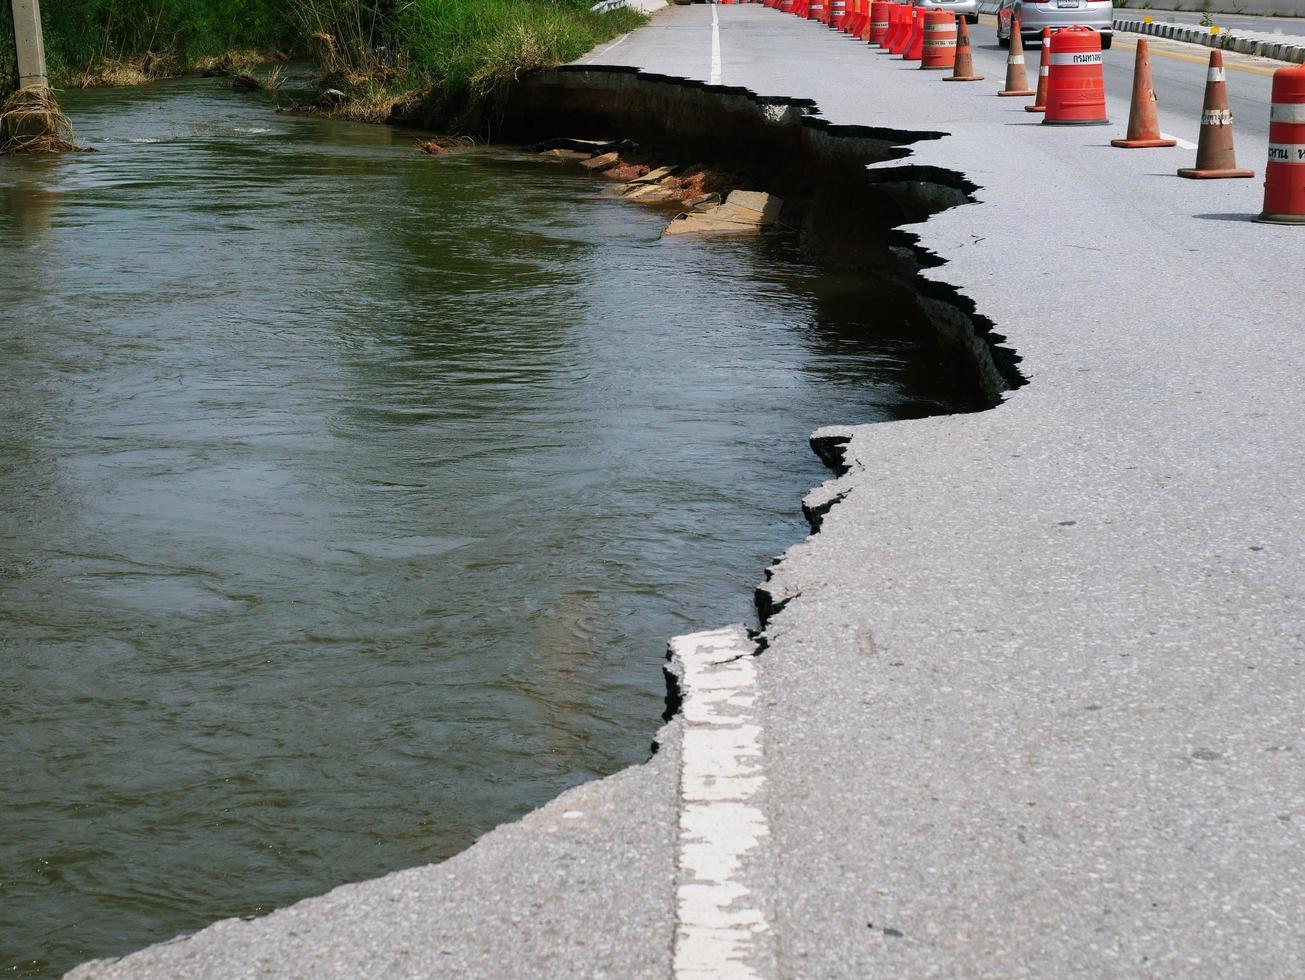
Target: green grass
81,33
475,45
460,51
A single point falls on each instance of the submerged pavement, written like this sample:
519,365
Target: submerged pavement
1034,704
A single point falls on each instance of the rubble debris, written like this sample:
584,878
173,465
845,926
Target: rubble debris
655,176
650,193
626,171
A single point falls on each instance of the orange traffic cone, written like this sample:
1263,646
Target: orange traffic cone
1143,118
964,70
1214,149
1044,74
1017,82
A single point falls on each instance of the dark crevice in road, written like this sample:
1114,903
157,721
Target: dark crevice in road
846,209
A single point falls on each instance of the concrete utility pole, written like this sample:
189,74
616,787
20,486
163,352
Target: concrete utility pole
29,42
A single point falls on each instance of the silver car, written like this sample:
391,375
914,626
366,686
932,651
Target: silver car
969,9
1034,16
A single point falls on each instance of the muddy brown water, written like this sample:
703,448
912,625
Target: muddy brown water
350,497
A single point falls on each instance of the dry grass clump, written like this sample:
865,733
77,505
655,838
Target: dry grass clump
152,67
32,122
108,72
274,80
235,61
368,102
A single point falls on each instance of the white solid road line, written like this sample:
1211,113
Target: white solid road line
592,59
721,929
1185,144
715,46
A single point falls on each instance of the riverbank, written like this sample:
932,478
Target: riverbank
1029,700
437,63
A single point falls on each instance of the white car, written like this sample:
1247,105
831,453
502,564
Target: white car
969,9
1056,14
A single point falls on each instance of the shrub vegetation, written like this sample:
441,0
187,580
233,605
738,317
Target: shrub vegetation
382,52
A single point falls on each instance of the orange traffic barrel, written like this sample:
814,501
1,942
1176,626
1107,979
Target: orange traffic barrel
1284,177
816,10
786,6
904,29
1076,87
837,14
939,50
894,27
914,50
853,18
879,11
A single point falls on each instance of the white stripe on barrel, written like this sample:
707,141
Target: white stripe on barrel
1287,153
1077,58
1292,113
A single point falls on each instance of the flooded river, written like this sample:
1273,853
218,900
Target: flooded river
350,496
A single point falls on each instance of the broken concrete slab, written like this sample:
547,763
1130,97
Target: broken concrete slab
765,206
655,176
743,213
650,193
604,161
565,154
